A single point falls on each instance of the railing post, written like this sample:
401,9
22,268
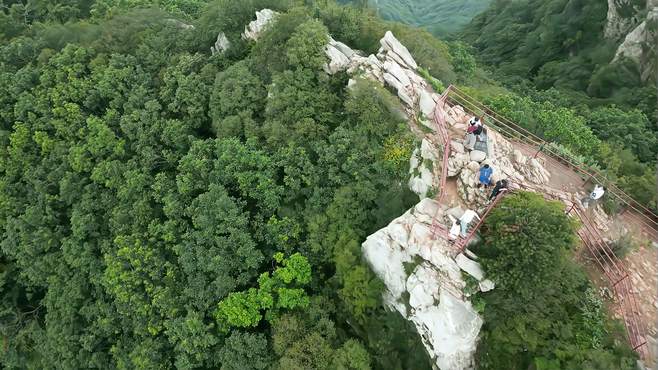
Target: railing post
573,205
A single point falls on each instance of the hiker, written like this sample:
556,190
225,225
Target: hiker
474,130
466,219
485,176
454,230
594,196
501,186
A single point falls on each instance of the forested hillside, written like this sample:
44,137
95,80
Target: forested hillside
161,207
563,44
441,17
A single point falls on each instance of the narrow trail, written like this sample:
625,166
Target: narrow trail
568,180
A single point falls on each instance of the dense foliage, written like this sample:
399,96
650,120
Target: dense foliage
162,207
544,313
557,43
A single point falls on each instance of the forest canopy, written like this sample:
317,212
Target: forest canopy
163,206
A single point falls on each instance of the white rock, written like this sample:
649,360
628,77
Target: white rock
391,44
221,45
428,150
477,155
396,71
263,18
446,322
426,103
337,60
346,50
456,212
469,266
486,285
457,147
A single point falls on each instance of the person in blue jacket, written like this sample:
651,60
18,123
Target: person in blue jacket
485,176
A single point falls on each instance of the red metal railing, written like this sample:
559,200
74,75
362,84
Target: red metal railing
614,270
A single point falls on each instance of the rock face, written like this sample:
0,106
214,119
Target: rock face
424,284
641,43
424,169
622,18
255,28
393,65
221,45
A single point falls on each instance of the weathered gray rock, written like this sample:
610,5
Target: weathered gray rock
469,266
263,18
447,323
457,147
391,45
338,61
221,45
478,156
426,103
486,285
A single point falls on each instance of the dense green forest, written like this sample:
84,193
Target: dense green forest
163,207
440,17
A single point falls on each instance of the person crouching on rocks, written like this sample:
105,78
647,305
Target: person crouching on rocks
501,186
474,129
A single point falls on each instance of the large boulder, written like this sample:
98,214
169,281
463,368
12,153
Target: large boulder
478,155
391,45
221,45
338,61
263,18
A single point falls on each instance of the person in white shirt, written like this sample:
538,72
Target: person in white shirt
594,196
466,219
454,230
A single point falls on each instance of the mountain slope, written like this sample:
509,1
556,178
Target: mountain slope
440,17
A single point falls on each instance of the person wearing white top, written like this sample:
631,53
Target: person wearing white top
454,230
466,219
594,196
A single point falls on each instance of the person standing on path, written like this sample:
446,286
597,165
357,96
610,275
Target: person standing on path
594,196
485,176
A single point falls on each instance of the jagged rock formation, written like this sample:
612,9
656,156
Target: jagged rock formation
423,178
623,16
641,43
395,66
253,30
424,284
221,45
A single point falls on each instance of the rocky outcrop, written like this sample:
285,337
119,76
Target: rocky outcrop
263,18
424,284
221,45
640,45
423,169
623,16
393,65
507,162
